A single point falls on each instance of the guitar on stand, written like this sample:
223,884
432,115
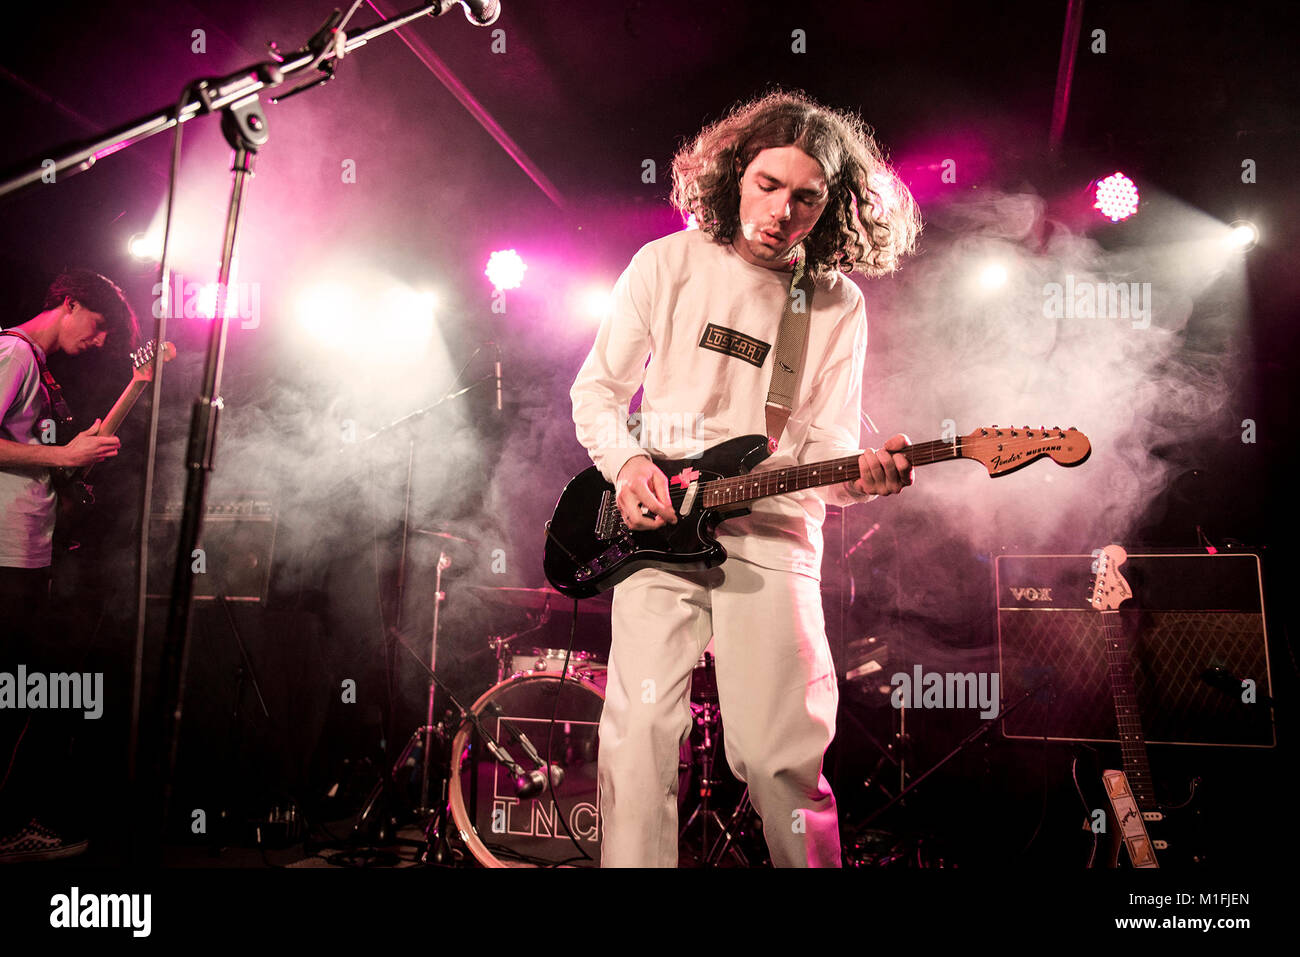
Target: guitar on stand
1131,803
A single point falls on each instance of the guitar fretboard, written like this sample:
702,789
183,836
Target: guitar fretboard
1132,741
755,485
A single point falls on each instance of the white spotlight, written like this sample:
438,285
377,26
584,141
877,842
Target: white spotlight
145,247
1242,235
993,275
596,302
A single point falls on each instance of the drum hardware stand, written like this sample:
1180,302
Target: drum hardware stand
743,808
702,754
500,645
437,848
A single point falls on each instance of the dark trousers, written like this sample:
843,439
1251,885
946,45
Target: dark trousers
34,762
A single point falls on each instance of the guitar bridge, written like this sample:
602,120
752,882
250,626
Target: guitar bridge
609,523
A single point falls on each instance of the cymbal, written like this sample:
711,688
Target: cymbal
537,599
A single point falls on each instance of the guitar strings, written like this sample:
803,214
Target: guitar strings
803,476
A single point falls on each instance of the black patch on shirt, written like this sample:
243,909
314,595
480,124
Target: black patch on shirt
735,344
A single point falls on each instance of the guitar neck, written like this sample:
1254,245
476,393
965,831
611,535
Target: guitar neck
1132,741
755,485
122,407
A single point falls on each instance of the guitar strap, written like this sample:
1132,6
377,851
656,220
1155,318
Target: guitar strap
791,348
53,391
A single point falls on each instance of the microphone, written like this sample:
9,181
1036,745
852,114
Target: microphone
537,777
533,783
482,13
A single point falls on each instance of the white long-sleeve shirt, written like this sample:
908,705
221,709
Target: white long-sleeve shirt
708,320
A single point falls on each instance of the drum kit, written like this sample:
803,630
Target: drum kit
519,769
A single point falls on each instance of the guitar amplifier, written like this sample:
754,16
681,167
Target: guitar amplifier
1195,625
238,543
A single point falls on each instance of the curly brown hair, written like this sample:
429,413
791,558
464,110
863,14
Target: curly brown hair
870,221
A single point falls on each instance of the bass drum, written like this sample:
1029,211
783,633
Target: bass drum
500,829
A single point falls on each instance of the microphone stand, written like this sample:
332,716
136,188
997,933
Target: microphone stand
244,126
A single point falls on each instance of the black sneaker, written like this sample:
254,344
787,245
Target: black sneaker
36,842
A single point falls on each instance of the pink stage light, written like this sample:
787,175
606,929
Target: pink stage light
505,269
1116,197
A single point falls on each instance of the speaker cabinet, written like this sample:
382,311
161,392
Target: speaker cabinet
238,545
1195,627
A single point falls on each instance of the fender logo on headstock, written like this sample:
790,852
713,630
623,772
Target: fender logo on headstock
999,461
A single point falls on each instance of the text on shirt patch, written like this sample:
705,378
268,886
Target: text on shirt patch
735,344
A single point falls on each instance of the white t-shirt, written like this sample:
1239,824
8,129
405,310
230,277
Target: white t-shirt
708,321
27,500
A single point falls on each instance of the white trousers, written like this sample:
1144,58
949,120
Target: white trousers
776,690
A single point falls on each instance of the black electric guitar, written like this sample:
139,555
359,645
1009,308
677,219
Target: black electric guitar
70,483
1135,820
589,549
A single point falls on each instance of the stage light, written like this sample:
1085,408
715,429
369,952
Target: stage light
145,247
370,317
206,304
326,310
1116,197
993,276
1243,236
505,269
406,318
596,302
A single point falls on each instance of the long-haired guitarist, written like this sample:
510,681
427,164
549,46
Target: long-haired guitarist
779,187
81,310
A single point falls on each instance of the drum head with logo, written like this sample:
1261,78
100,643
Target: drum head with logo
560,826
